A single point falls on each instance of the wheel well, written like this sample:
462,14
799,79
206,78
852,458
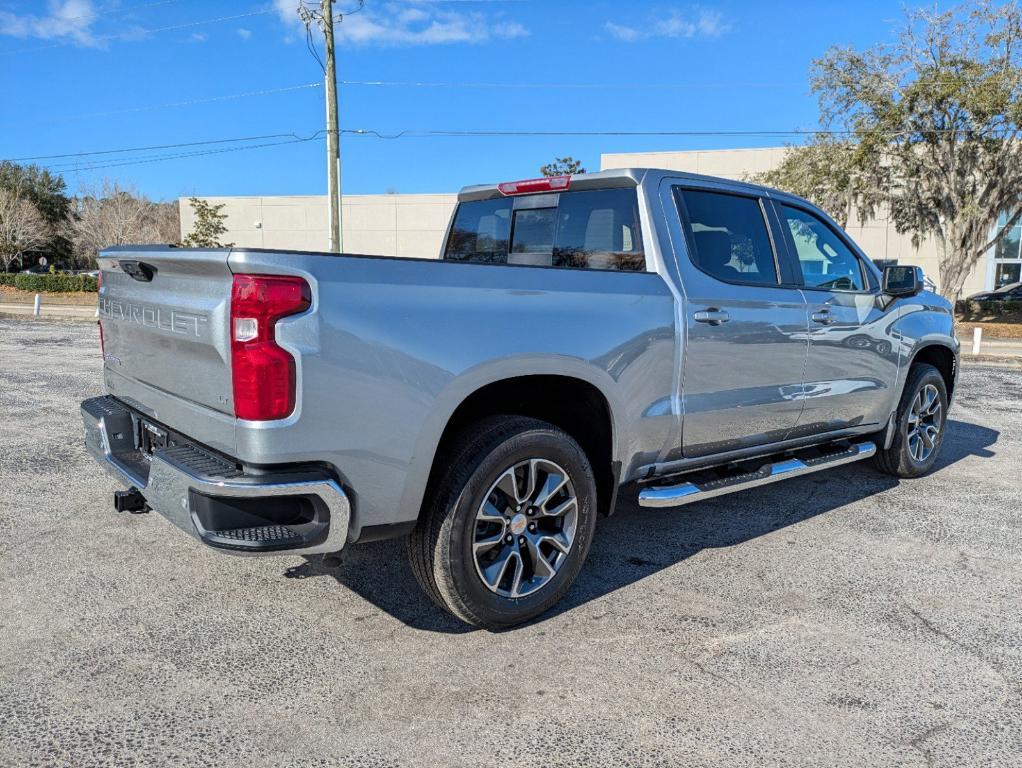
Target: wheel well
574,405
941,358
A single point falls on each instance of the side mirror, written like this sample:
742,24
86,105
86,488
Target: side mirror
902,280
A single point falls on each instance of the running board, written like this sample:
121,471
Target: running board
686,493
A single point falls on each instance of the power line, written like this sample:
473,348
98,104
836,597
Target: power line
420,133
295,138
690,85
184,155
424,133
575,86
161,146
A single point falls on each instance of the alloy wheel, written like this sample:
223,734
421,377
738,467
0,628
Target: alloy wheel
525,528
925,420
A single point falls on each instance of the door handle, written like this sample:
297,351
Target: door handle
823,317
713,316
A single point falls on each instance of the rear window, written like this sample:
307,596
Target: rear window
480,232
595,229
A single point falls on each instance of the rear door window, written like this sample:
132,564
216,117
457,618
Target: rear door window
590,229
729,239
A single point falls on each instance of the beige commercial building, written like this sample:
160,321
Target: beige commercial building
379,225
414,225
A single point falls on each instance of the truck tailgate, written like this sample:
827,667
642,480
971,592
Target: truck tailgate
164,315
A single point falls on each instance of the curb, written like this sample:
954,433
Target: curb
1011,361
7,314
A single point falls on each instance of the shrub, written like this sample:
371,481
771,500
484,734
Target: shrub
53,283
997,311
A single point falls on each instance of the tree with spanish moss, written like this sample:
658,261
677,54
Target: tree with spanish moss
928,127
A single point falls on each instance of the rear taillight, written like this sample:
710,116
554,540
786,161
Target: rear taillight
263,373
528,186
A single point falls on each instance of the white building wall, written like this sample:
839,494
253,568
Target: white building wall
414,225
379,225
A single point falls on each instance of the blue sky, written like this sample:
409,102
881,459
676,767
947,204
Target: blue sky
88,75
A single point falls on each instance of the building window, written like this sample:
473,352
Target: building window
1007,257
1007,273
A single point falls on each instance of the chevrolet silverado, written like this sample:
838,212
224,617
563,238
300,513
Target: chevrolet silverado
692,335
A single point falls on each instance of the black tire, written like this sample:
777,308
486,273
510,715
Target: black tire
440,548
898,459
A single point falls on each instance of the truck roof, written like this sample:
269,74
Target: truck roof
615,177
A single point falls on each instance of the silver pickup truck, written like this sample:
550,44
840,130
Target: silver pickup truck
693,335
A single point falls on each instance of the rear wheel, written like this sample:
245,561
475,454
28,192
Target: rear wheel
509,524
919,425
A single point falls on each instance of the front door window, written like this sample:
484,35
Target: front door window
826,262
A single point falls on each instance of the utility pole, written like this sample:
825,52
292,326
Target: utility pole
333,144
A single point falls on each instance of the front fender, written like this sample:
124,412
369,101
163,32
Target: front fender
923,320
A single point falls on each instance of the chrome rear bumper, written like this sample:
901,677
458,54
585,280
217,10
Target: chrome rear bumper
183,480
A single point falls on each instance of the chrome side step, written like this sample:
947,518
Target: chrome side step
686,493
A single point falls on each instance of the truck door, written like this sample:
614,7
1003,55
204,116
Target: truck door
745,320
853,358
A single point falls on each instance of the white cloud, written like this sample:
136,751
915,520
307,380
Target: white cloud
415,23
199,37
621,32
244,34
65,19
672,24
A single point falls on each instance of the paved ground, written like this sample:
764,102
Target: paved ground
843,619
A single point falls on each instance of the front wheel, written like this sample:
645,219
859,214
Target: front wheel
920,425
508,526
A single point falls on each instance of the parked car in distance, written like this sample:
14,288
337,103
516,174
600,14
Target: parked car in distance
1010,292
694,335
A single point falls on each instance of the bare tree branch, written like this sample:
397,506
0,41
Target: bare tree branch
22,227
115,215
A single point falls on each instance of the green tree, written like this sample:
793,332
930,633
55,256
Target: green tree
826,172
933,122
563,166
47,193
209,225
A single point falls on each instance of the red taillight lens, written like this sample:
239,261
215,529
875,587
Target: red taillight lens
263,373
528,186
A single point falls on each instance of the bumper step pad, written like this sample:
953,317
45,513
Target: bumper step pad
279,536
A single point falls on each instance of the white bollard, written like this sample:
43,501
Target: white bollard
38,304
977,340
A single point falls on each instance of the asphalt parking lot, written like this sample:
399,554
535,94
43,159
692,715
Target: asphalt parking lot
842,619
